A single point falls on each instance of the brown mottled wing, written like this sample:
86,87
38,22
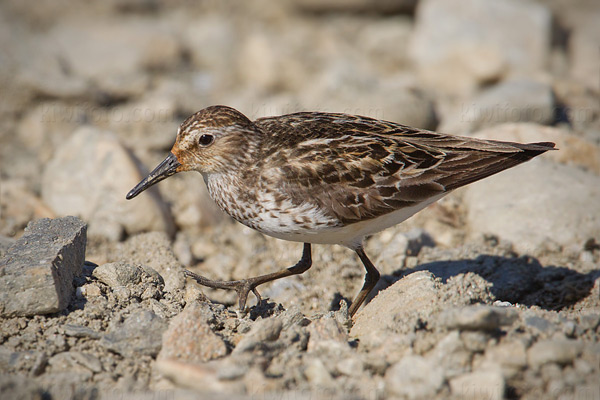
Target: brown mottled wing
359,168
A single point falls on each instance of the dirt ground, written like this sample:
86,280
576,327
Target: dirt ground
493,292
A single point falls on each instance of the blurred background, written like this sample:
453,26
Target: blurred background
93,92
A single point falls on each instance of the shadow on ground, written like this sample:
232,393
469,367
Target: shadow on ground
520,280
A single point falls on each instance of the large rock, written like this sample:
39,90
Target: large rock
415,294
460,44
516,100
111,53
573,149
583,50
536,203
90,175
36,274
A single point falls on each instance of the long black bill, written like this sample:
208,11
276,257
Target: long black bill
164,170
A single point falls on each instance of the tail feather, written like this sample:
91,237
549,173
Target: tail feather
485,165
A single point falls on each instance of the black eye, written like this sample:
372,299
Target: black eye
206,139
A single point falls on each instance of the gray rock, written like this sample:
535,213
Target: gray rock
458,45
264,330
5,243
477,318
526,205
540,325
139,334
479,385
558,351
113,55
75,361
90,175
190,338
79,331
414,377
516,100
36,274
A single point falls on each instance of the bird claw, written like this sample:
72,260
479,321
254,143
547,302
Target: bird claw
243,287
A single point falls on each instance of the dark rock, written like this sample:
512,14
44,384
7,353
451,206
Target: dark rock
36,274
478,317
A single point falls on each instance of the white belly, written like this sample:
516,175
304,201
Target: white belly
350,235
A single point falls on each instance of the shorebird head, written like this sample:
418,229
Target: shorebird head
209,141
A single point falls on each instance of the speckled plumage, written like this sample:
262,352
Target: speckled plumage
329,178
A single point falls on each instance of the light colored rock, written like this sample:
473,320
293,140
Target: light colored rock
112,53
203,378
451,355
324,332
479,385
414,294
46,127
534,204
20,205
36,274
459,44
124,274
317,374
394,99
190,338
583,50
511,356
90,175
211,41
40,70
414,377
477,317
153,250
515,100
573,149
559,351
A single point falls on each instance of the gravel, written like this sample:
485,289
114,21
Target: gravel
493,292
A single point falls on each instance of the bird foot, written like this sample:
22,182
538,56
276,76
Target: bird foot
243,287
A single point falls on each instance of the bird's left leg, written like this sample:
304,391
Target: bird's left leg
244,286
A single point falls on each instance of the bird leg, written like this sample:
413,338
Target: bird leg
243,287
371,279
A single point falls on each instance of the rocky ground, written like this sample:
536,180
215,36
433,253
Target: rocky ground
493,292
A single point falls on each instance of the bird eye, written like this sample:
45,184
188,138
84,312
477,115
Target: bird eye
206,140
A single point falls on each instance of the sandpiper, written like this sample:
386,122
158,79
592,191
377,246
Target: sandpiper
325,178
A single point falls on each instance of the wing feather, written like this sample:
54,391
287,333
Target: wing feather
357,168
